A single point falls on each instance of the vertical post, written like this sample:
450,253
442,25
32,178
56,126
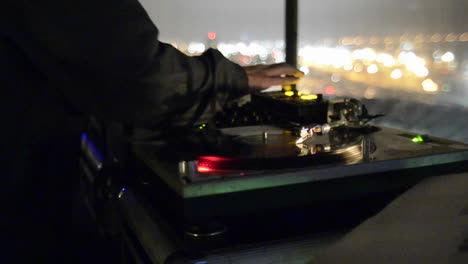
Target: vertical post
291,17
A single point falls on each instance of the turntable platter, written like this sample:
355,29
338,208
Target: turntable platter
270,147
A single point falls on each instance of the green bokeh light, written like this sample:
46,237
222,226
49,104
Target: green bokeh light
417,139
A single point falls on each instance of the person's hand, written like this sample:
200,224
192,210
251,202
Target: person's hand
264,76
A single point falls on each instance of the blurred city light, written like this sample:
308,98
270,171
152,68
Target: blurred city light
451,37
429,85
370,93
304,69
196,47
436,38
211,35
420,71
358,67
372,69
396,74
366,54
463,37
348,67
437,55
419,38
448,57
330,90
336,57
353,62
409,66
335,78
386,59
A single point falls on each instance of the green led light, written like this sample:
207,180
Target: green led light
417,139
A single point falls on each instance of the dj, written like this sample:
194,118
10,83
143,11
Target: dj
61,61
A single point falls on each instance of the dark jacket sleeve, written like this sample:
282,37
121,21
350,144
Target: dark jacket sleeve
105,58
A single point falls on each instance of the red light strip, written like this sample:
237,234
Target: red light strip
203,169
213,158
207,164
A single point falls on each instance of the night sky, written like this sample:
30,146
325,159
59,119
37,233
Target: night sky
264,19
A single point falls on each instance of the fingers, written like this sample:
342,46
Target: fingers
256,68
265,76
275,80
282,69
279,69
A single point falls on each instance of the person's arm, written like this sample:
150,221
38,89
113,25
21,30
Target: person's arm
106,59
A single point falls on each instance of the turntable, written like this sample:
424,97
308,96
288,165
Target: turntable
235,170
